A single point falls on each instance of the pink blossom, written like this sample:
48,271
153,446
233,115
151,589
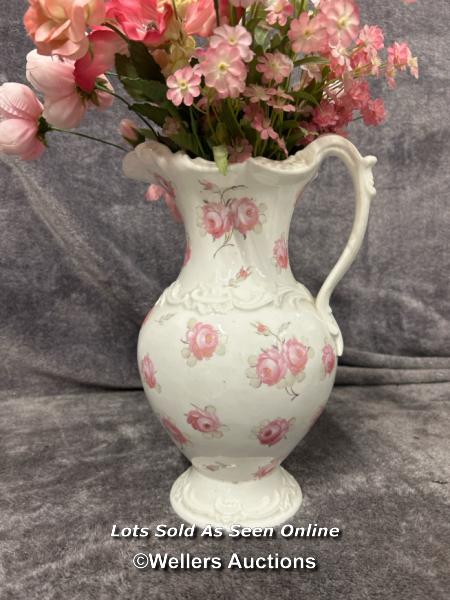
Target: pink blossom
372,38
274,432
148,371
328,359
176,434
224,70
245,214
274,67
129,130
311,131
104,44
325,115
203,340
183,86
144,21
242,3
266,469
58,27
237,36
280,253
64,105
342,20
199,18
239,151
20,111
256,93
308,35
263,126
278,11
279,100
205,420
399,55
271,366
217,219
296,355
373,113
359,93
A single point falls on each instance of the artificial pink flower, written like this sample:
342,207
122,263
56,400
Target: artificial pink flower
245,214
296,355
239,151
224,70
148,372
64,105
104,44
311,131
274,432
280,253
216,219
242,3
203,340
164,189
274,67
399,55
279,100
146,21
205,420
372,38
325,115
263,126
328,359
236,36
342,20
308,35
58,27
184,86
359,93
175,433
373,113
256,93
129,130
271,366
278,11
199,18
20,111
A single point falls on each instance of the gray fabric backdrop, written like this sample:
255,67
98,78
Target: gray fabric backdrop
83,256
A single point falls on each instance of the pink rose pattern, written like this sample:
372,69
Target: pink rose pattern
187,252
206,421
164,189
227,213
148,373
282,364
175,433
270,433
241,275
328,359
202,341
280,254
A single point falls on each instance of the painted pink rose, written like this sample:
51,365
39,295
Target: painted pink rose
245,214
271,366
296,355
266,469
203,340
187,253
204,420
217,219
148,371
273,432
280,253
176,434
328,359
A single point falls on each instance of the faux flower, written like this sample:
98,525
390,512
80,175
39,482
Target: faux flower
198,16
341,20
20,112
224,70
129,130
373,113
64,105
59,27
183,86
237,36
239,151
274,67
278,11
146,21
308,35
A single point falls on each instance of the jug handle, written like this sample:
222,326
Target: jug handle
361,172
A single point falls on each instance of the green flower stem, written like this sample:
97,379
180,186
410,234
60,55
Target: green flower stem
89,137
101,88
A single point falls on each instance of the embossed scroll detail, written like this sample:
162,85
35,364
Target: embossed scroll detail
206,298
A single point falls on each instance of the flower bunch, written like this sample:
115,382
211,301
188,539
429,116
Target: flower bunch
220,79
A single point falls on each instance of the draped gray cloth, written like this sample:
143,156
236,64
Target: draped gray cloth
83,257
